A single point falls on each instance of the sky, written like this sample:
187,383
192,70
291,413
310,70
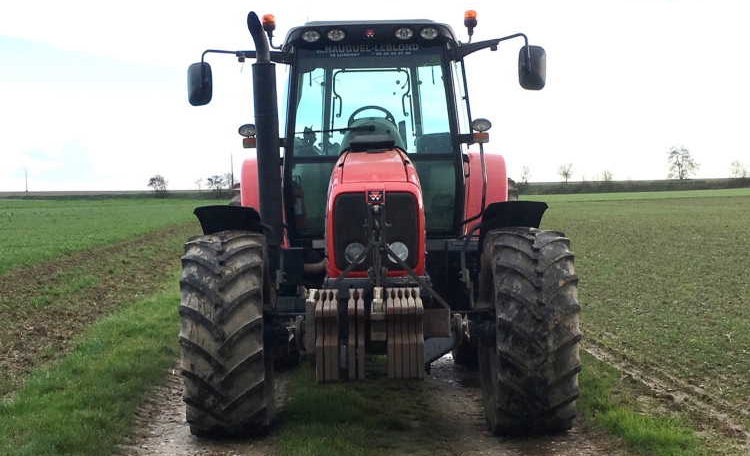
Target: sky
93,94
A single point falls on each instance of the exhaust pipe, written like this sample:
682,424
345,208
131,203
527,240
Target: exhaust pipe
267,133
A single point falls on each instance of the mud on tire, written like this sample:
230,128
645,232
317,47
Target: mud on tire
528,349
228,378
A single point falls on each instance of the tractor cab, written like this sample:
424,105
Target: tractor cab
368,86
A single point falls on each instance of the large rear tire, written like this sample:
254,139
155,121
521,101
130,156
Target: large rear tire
528,350
228,377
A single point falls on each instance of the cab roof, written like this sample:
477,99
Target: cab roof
369,31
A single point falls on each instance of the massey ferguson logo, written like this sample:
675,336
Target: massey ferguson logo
375,196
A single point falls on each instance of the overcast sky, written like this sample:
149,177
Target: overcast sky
93,96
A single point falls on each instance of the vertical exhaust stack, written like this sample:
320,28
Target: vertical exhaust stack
267,131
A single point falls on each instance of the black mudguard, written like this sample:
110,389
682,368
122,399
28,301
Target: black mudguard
223,217
511,213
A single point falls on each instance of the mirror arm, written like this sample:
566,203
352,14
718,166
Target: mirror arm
215,51
466,49
277,57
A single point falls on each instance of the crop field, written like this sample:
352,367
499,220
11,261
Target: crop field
34,230
88,294
665,283
66,263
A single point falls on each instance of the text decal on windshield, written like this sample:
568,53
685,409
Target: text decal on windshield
368,49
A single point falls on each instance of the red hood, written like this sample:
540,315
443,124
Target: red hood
386,166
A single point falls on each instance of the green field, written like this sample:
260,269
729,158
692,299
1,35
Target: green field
35,230
665,280
589,197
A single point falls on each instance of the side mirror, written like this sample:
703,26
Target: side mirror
200,87
532,67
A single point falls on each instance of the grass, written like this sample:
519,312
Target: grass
69,282
45,306
373,418
664,281
540,188
606,406
84,404
591,197
36,230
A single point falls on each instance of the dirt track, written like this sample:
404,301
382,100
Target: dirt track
161,428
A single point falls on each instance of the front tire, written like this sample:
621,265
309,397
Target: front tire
528,349
228,376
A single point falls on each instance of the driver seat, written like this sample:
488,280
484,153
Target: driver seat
374,133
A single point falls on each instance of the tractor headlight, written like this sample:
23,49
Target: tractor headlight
428,33
481,124
404,33
336,35
399,249
353,251
311,36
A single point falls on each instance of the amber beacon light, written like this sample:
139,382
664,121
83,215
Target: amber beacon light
470,21
269,23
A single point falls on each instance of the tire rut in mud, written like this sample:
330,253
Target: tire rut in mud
461,428
160,428
718,414
457,425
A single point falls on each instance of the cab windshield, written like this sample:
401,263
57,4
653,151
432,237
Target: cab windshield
342,88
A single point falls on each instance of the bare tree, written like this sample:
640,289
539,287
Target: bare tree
565,171
525,175
607,175
159,184
681,163
738,170
215,182
229,180
524,183
199,184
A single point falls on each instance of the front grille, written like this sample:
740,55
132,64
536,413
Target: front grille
350,219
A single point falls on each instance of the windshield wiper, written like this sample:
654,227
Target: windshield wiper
361,128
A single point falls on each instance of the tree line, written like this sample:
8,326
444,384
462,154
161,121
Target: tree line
681,164
216,184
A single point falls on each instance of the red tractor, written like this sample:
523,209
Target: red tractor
385,229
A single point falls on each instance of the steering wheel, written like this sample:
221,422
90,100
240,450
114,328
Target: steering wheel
388,116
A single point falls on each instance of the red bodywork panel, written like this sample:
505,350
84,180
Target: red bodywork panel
249,192
358,172
497,184
390,171
373,167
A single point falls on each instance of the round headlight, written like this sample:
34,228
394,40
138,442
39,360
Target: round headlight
336,35
428,33
400,250
353,251
481,124
311,36
247,130
404,33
